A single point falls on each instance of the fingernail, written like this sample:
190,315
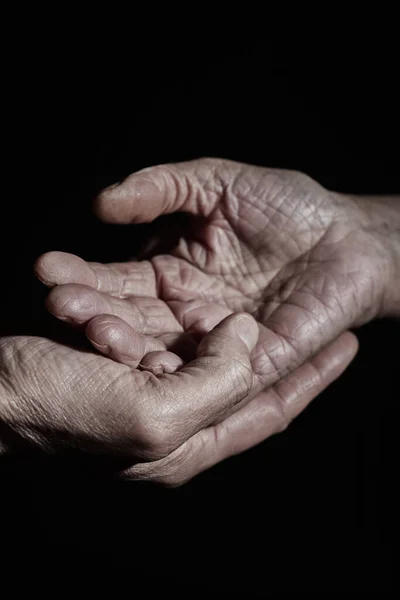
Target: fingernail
156,369
103,348
247,329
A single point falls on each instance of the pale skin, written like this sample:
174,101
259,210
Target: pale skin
293,265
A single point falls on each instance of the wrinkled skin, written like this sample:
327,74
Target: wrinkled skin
306,263
58,396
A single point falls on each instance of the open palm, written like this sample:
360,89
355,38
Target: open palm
275,244
272,243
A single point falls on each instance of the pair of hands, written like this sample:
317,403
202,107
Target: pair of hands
207,351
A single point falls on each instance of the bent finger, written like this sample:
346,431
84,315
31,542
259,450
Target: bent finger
77,304
114,338
159,362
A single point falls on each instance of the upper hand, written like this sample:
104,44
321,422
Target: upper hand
305,262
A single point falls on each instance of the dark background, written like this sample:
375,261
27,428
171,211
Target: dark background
310,510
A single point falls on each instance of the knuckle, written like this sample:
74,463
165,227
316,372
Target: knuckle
283,418
242,379
172,178
236,378
300,176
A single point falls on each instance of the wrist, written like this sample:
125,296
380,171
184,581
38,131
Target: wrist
3,410
9,403
392,299
382,221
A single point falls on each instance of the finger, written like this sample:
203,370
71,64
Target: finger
172,276
117,279
114,338
198,317
205,389
267,414
159,362
77,304
273,410
193,187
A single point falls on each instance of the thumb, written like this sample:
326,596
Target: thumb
193,187
234,337
220,377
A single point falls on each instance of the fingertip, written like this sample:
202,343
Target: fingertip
114,337
137,199
46,267
246,329
55,302
234,337
349,344
105,330
116,203
57,268
72,302
159,362
333,360
105,205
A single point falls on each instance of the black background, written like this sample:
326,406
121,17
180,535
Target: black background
310,510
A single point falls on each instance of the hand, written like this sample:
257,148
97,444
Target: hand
307,263
54,397
170,294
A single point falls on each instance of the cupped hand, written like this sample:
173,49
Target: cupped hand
54,397
305,262
302,260
167,428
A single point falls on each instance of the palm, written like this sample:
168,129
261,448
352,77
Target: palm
279,246
272,243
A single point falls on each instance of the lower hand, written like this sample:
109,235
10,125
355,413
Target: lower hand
54,398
